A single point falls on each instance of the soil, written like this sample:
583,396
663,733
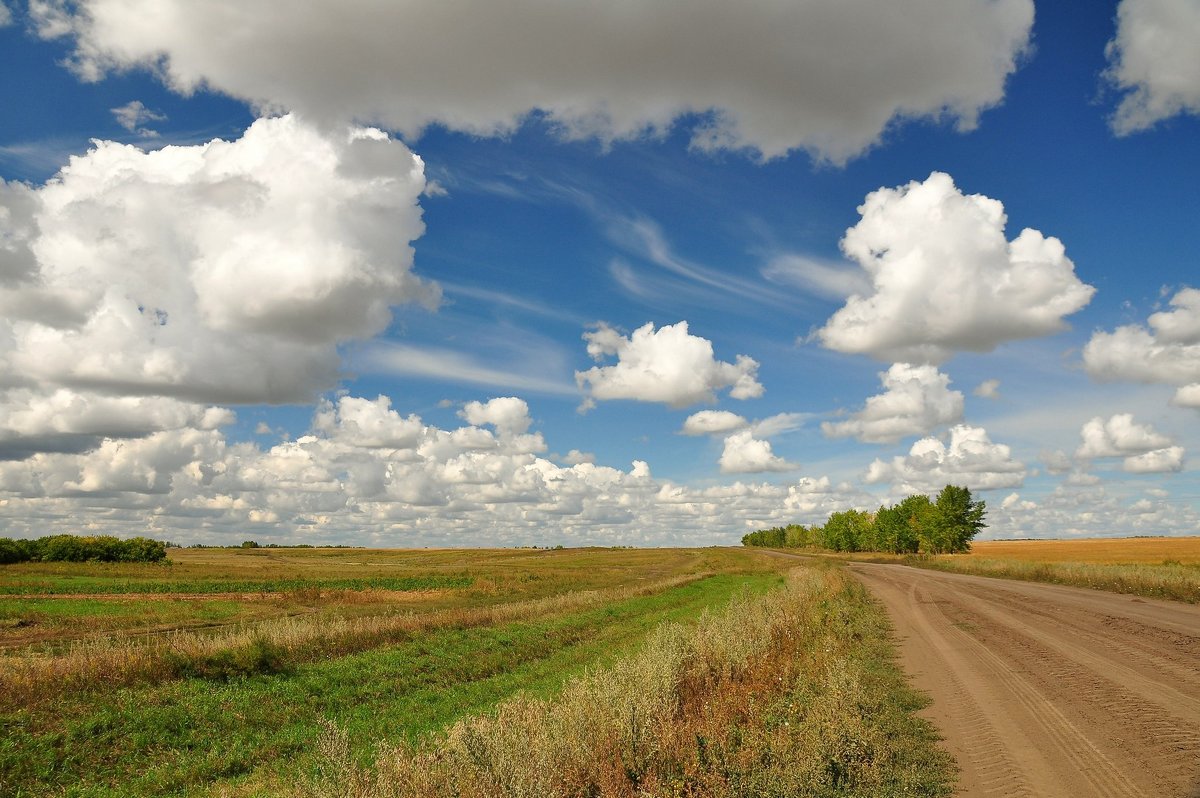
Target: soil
1044,690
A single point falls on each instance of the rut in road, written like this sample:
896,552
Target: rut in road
1044,690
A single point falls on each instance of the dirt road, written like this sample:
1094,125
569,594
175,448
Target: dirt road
1042,690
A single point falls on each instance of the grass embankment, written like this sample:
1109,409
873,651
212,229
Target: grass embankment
792,693
1163,568
254,734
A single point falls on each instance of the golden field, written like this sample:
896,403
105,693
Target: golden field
1101,551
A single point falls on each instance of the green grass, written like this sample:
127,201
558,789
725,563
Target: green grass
89,585
192,736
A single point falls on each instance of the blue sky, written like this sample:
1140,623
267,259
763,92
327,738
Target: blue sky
577,274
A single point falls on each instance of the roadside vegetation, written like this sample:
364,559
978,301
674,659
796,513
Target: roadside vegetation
917,524
792,693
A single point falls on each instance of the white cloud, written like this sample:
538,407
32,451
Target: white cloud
368,473
1168,352
828,77
68,421
988,389
134,116
713,422
1014,502
367,424
576,457
1188,396
971,459
1119,436
946,279
668,365
223,272
1154,58
1146,451
5,15
916,400
745,454
508,414
1160,461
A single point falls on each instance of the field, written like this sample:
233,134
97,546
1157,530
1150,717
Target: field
228,672
1166,568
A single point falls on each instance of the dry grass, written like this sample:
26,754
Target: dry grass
267,646
1163,568
1100,551
780,695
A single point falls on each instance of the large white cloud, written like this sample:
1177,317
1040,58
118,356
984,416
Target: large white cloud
916,400
825,76
1154,58
1144,449
971,459
67,421
222,272
1168,352
945,277
745,454
667,365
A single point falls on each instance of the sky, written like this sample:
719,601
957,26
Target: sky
464,273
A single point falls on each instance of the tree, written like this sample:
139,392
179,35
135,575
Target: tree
956,519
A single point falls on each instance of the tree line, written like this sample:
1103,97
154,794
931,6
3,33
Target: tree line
917,524
74,548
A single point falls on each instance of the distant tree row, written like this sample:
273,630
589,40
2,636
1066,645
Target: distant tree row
917,524
73,548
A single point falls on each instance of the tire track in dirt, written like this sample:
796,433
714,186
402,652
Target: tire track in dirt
1043,690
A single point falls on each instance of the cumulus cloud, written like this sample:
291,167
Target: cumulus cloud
1145,449
224,272
713,422
68,421
134,116
828,77
1154,59
945,278
508,414
668,365
1188,395
576,457
971,459
1160,461
745,454
5,15
1168,352
915,401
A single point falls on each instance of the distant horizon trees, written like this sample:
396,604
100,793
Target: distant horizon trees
943,525
74,548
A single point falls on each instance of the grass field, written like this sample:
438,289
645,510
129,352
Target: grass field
1166,568
107,688
227,675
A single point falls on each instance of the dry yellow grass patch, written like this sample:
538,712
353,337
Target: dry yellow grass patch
1104,551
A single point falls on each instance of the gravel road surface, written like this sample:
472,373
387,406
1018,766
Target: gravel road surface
1046,691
